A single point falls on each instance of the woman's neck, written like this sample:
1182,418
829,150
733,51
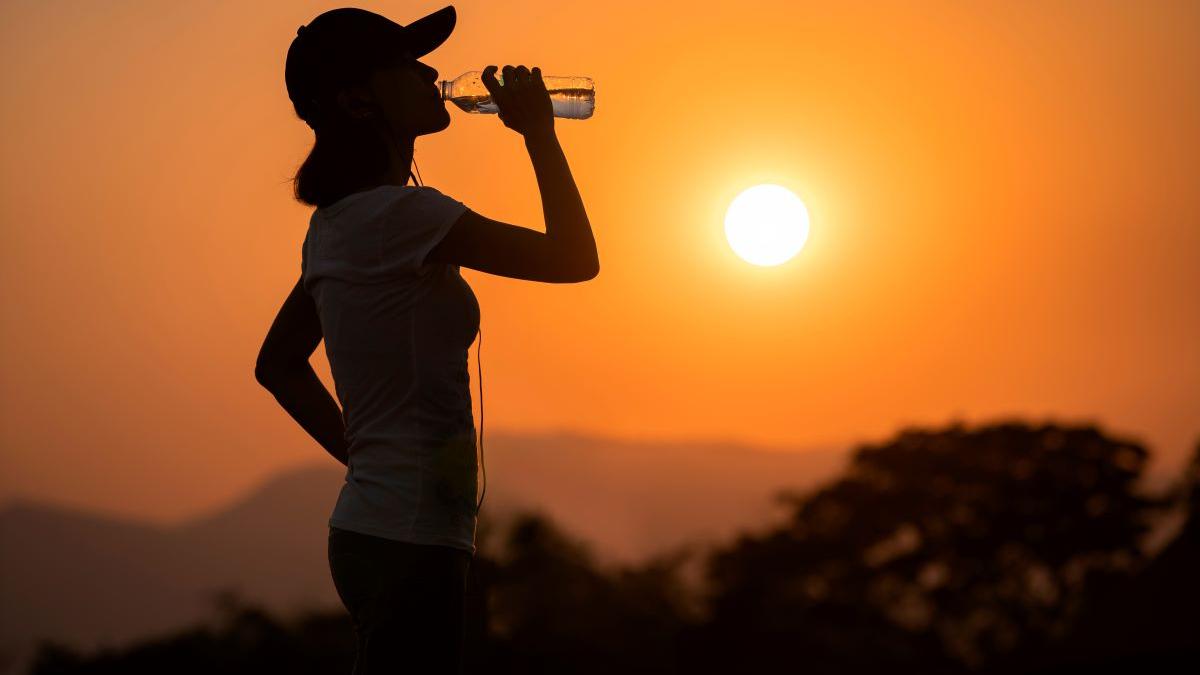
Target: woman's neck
400,157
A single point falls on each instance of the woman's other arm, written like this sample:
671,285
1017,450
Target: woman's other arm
283,369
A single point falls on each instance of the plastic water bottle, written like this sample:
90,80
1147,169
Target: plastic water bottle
573,97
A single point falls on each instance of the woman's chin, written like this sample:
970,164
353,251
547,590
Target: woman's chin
442,121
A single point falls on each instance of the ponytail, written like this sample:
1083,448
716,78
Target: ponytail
344,157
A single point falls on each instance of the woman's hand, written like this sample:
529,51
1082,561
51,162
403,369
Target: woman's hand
523,101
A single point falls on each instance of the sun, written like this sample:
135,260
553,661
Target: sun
766,225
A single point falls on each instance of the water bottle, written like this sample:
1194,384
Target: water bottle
573,97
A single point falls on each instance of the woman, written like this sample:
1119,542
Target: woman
380,284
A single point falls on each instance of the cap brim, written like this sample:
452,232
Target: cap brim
427,33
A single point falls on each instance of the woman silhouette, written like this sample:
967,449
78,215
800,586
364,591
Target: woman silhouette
380,284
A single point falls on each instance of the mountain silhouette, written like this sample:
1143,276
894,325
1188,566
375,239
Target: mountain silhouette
89,580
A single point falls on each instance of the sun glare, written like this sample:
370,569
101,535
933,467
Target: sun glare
766,225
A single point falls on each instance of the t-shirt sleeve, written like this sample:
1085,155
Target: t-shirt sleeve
415,226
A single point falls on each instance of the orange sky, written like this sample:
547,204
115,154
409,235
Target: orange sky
1003,202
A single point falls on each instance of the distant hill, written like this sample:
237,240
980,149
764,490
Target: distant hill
88,580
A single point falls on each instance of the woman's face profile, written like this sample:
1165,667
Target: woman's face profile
408,96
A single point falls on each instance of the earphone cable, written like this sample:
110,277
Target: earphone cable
482,463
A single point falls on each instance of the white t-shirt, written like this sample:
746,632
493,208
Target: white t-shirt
397,331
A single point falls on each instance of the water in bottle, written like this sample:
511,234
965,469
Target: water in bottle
573,97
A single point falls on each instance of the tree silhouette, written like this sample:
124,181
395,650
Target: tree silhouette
1150,623
946,548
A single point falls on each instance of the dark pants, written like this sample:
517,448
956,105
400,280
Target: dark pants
406,601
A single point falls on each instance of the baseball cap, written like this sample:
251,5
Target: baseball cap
341,46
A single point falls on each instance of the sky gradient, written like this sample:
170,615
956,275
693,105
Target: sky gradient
1004,222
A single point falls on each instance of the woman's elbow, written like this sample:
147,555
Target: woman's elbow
590,268
268,371
264,374
591,271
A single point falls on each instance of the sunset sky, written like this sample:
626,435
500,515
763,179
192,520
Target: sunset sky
1004,222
